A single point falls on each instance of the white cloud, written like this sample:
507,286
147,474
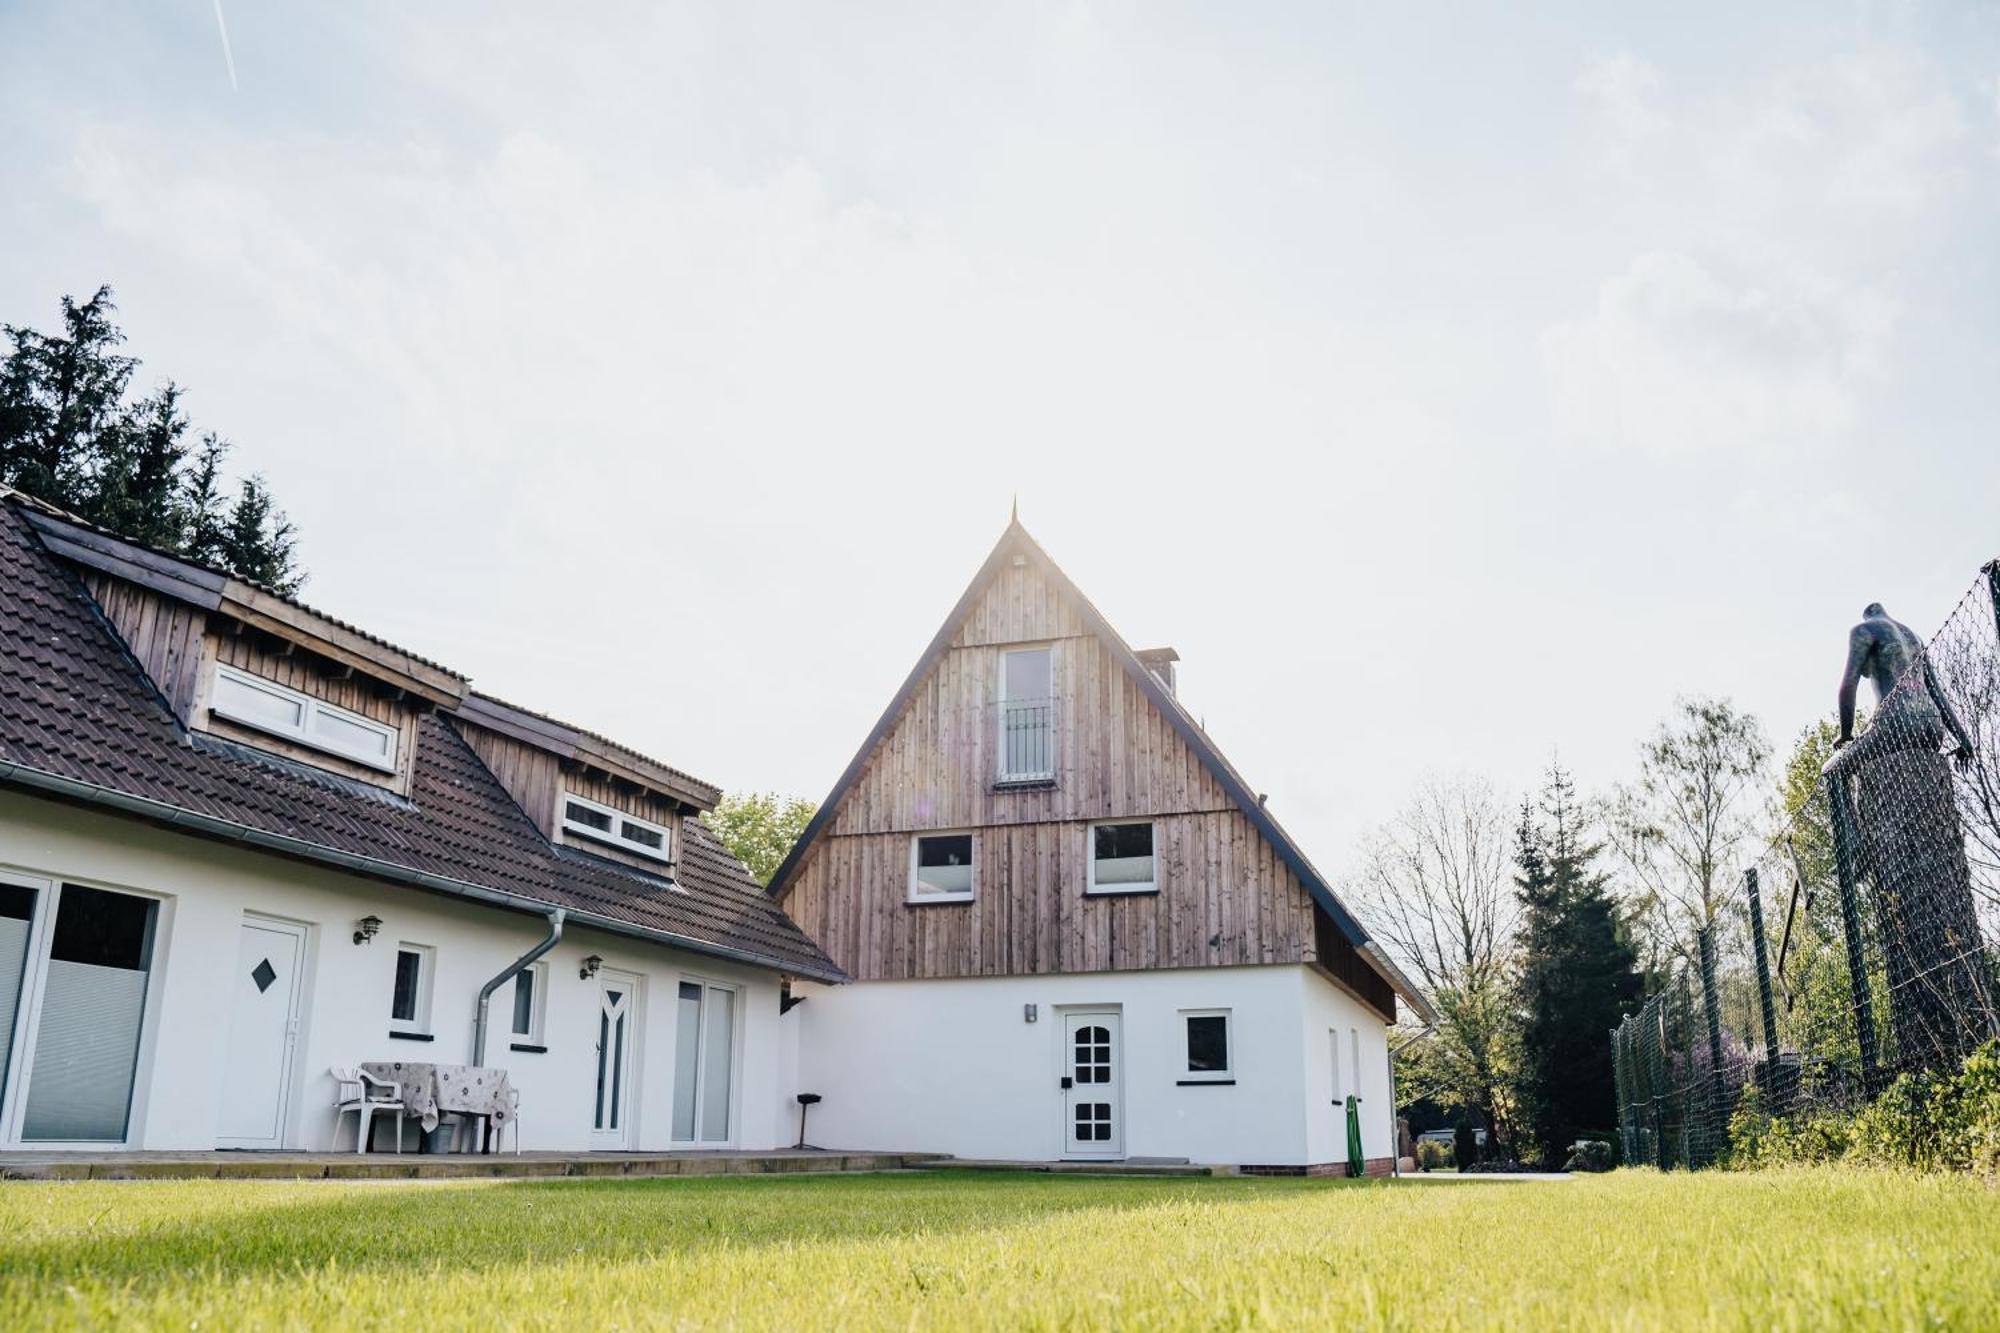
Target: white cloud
1680,355
1623,92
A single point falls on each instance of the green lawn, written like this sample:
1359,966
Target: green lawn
1805,1250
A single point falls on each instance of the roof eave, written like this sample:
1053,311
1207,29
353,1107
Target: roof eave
42,782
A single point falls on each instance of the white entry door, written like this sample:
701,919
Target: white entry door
266,989
617,1019
1093,1113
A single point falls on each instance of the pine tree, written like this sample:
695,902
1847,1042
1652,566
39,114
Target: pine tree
68,436
60,398
135,488
257,540
1579,973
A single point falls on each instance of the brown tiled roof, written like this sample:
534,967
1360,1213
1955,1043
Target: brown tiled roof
76,707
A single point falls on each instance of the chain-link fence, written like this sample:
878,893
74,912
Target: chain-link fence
1864,941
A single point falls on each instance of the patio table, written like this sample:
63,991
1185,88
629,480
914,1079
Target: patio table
430,1090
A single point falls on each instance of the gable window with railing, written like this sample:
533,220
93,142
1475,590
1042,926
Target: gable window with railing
1027,740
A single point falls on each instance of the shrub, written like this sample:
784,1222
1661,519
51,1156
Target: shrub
1432,1155
1589,1155
1921,1121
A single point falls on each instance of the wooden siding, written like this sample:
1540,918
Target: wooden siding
177,645
1115,753
164,634
308,673
536,779
1225,896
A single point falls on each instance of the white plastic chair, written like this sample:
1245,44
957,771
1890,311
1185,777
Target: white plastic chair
513,1119
361,1092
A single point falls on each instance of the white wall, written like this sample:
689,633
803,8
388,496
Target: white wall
951,1065
208,886
1329,1009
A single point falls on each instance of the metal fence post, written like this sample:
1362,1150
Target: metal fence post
1992,571
1765,1005
1658,1082
1841,809
1718,1084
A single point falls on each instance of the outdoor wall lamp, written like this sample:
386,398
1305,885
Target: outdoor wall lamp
1029,1013
366,928
589,968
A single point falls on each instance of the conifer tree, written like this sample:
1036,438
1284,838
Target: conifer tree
68,436
1578,973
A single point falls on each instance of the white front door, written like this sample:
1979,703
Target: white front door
1093,1070
266,989
617,1017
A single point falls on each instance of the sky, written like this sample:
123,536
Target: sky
1451,389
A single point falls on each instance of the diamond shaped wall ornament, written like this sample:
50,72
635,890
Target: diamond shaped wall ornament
264,974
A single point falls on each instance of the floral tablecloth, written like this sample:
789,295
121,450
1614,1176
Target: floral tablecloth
429,1090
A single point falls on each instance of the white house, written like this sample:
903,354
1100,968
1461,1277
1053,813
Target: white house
1073,929
242,843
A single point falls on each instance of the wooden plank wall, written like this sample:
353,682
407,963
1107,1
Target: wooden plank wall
535,777
163,634
1225,896
1115,753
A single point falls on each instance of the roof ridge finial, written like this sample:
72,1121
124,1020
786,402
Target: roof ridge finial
1014,510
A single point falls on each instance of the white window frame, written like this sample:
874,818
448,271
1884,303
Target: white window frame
1090,885
972,892
664,853
28,1013
1000,720
309,707
538,1006
420,1024
1227,1074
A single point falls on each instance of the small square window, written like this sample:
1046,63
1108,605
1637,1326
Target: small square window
1121,858
1208,1055
941,867
410,996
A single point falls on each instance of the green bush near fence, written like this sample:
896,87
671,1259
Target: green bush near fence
1924,1122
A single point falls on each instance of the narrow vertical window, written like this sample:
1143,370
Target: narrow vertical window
17,919
410,992
528,1002
1027,716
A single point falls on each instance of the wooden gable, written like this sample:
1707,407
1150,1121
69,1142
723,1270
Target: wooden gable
1228,894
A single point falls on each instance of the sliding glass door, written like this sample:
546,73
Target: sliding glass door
17,927
92,1005
704,1062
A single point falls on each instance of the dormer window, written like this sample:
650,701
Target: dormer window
614,828
1027,716
278,710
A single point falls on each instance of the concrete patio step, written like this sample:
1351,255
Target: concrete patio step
438,1166
1124,1168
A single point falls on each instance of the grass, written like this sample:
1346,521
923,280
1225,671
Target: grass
1635,1250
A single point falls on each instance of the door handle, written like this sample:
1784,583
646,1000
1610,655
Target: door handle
1066,1083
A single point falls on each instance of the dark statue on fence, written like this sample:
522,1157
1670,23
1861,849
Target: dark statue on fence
1893,798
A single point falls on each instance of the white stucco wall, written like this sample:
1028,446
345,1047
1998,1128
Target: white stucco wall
1329,1012
952,1066
206,887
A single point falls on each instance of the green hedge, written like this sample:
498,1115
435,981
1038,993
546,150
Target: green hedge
1924,1122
